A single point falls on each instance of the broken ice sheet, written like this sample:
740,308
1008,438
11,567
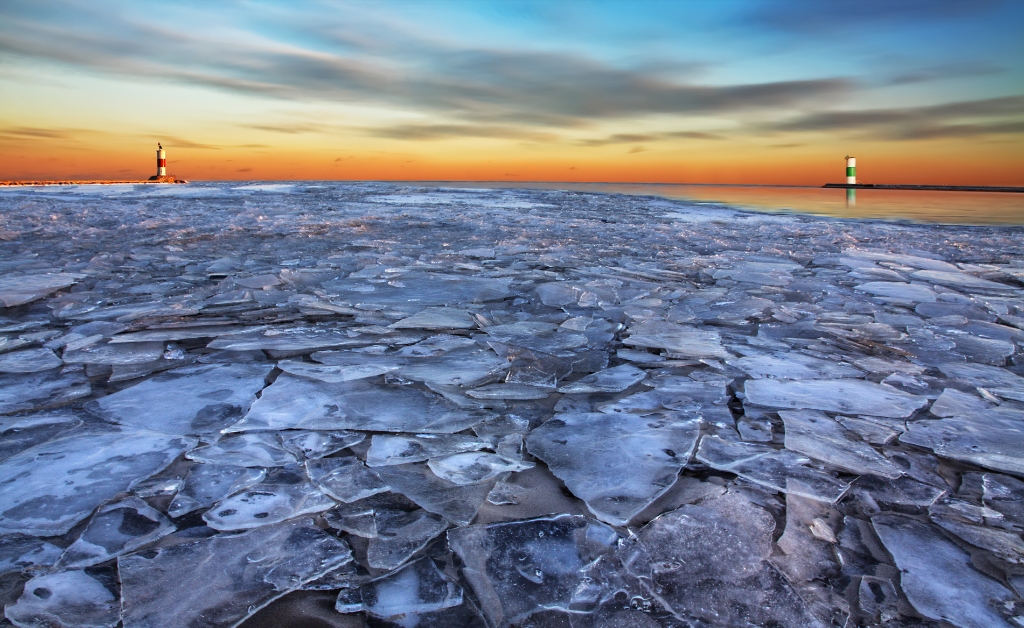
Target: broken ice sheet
993,439
19,433
538,336
514,392
29,361
847,396
873,431
259,449
299,403
345,479
418,289
313,444
116,528
679,339
615,379
959,279
197,400
207,484
996,380
1008,546
21,289
267,503
807,540
1006,495
221,580
434,346
419,587
937,576
793,365
458,504
617,463
474,467
20,392
400,535
286,339
334,374
953,402
120,354
521,567
386,449
708,565
49,488
20,552
459,367
778,469
437,318
816,435
911,292
69,598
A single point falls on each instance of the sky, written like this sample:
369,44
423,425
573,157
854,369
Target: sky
728,91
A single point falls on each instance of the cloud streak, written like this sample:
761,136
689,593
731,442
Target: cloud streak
1000,116
479,85
632,138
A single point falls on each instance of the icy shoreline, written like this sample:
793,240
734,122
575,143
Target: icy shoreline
448,407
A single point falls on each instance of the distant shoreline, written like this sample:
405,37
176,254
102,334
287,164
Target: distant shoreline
848,186
930,188
40,183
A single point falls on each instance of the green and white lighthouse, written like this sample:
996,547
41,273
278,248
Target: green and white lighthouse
851,170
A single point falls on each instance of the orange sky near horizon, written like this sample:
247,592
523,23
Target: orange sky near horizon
459,160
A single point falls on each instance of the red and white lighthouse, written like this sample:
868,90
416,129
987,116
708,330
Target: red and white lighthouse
161,161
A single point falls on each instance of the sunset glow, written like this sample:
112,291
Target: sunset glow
737,92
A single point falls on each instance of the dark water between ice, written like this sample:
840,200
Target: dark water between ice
960,208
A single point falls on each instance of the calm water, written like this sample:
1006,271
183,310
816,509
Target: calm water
965,208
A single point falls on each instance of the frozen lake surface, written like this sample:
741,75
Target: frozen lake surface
326,404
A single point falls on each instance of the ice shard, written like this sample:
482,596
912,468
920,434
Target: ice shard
778,469
221,580
816,435
299,403
21,289
345,479
993,439
456,503
68,598
49,488
937,576
207,484
838,395
29,361
707,564
675,338
521,567
116,528
617,463
198,400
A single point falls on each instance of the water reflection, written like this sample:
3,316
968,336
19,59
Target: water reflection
966,208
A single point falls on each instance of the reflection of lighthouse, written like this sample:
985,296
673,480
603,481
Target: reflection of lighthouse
161,161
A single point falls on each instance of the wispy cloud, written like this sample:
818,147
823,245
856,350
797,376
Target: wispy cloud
990,116
449,131
24,132
631,138
487,86
946,71
177,142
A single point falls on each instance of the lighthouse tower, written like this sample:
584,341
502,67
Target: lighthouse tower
851,170
161,161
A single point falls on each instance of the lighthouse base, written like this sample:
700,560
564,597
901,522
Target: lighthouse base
166,178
